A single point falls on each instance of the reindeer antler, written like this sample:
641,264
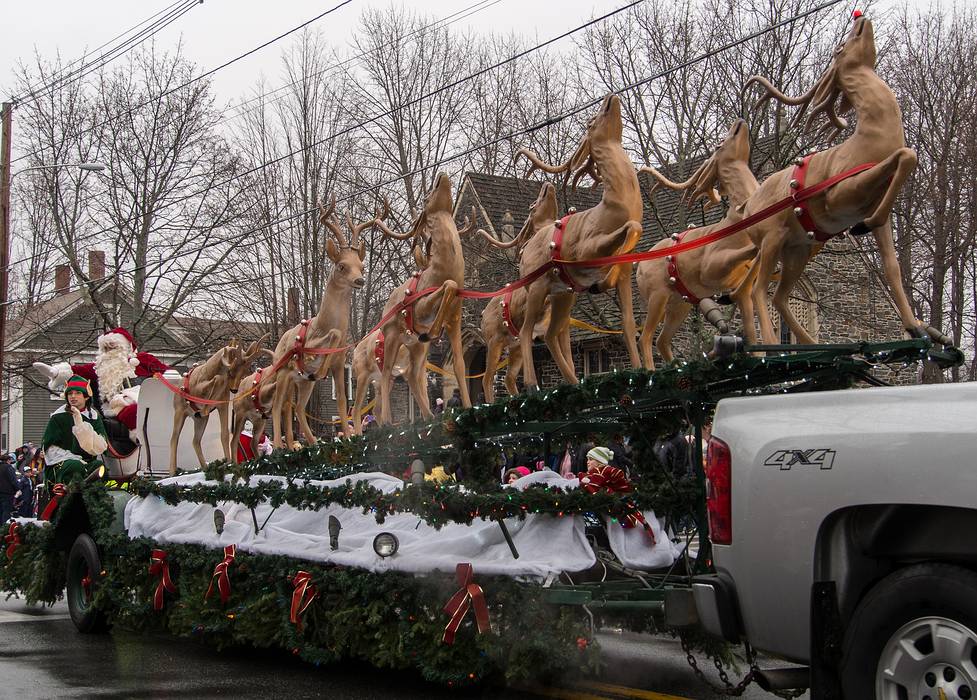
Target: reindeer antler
823,95
327,219
700,185
382,212
469,225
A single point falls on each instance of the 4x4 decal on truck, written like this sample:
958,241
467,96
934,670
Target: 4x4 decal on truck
785,459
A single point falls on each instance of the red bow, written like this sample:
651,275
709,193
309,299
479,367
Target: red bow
12,540
469,595
614,480
609,479
158,566
58,491
302,597
220,575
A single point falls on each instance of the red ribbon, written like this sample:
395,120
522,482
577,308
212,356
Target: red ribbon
614,480
12,540
302,597
469,595
58,491
220,575
158,566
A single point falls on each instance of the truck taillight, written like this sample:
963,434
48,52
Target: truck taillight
719,492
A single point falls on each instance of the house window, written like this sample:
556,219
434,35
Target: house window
595,361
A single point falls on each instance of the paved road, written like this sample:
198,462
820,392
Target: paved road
41,656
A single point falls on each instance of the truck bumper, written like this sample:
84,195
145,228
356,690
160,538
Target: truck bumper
715,604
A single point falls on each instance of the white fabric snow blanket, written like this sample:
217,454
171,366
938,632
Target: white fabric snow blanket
546,544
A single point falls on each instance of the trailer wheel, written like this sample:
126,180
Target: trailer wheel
84,565
914,635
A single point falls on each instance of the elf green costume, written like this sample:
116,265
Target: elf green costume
73,444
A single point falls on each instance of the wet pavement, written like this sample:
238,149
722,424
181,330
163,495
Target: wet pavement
42,656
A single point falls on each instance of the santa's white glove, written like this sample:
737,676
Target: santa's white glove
57,374
133,361
90,441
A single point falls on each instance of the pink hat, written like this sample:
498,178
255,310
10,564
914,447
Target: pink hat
522,471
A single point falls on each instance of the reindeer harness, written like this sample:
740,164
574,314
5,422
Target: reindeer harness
556,245
197,411
800,208
256,396
507,314
378,350
407,313
674,279
299,347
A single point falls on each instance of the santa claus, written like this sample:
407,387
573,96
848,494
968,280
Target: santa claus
117,362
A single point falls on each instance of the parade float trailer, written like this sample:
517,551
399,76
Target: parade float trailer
324,552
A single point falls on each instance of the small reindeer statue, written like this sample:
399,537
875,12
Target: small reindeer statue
671,286
437,244
212,381
296,377
502,318
368,362
254,405
610,228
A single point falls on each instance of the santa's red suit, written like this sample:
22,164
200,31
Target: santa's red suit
117,361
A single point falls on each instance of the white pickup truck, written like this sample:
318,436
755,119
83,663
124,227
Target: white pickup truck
844,538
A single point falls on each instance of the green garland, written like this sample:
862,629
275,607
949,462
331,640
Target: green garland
436,504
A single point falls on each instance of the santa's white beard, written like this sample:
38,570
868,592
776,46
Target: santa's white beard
112,368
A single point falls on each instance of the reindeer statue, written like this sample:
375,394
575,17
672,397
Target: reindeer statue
212,381
254,405
368,361
502,318
610,228
296,377
862,202
671,286
437,249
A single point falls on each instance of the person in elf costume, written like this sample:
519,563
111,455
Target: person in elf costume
75,437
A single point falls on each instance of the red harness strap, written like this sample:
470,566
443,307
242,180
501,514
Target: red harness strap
256,396
674,280
378,350
507,315
299,346
408,311
186,390
556,244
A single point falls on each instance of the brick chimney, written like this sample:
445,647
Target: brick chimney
62,279
96,264
292,310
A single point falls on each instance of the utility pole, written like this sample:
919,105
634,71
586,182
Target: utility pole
7,115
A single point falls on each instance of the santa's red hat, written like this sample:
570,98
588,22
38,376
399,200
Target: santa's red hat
125,334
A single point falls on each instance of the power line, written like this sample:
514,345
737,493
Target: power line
238,240
186,84
393,110
86,68
444,21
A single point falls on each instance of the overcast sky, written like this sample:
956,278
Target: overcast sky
218,30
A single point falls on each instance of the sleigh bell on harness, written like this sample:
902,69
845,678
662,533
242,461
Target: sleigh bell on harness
503,304
810,235
669,258
794,184
676,237
690,227
672,281
552,245
505,323
558,223
798,161
798,212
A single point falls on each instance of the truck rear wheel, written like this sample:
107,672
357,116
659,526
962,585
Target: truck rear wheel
914,636
84,565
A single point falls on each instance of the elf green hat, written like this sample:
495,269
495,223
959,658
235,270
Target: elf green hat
601,454
77,383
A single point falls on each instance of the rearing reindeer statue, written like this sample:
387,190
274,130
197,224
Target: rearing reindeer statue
438,246
671,286
212,381
862,202
346,276
502,318
610,228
